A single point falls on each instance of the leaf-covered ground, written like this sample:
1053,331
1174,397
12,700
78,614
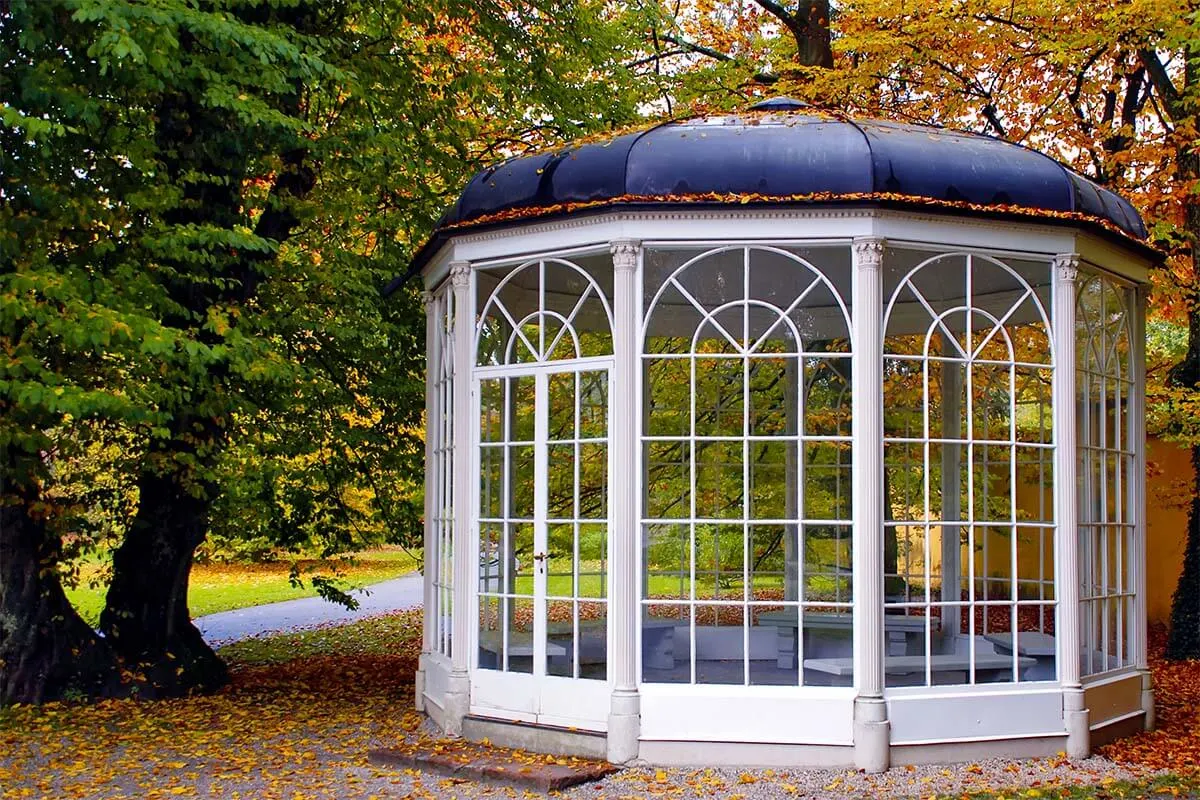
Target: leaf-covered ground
304,709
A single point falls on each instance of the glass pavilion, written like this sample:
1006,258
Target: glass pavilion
786,438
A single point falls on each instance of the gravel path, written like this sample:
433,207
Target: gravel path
309,612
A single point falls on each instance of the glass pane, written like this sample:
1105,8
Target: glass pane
720,644
560,401
593,561
666,648
668,479
521,564
593,405
719,397
491,410
773,480
521,399
593,481
667,387
521,481
719,479
491,486
560,561
560,481
666,559
519,643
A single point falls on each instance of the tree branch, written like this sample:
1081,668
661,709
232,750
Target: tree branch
1172,100
694,47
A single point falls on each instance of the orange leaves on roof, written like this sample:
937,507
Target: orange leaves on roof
733,199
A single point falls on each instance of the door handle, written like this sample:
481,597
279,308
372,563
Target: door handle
541,558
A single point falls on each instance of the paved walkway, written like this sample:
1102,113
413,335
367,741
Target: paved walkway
309,612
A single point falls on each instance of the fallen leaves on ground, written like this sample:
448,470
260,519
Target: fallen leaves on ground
304,709
1174,745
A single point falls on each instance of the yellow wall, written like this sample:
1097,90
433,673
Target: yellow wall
1168,490
1169,485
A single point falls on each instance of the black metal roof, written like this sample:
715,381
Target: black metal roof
785,152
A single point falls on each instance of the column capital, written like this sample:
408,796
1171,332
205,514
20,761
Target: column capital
868,251
460,272
427,298
625,253
1066,267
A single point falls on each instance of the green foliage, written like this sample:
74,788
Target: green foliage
202,201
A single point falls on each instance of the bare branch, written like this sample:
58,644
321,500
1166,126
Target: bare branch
1172,100
694,47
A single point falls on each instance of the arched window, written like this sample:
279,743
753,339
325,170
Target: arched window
543,352
440,430
545,310
746,460
969,524
1107,543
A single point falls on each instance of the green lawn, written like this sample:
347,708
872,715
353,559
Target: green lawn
224,587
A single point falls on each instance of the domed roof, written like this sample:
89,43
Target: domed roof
783,152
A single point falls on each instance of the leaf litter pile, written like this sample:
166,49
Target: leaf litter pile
304,709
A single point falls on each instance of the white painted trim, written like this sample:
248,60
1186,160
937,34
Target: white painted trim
973,716
464,496
430,535
1137,484
774,714
586,232
866,386
1066,558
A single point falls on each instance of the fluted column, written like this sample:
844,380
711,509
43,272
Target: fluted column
458,693
624,719
1066,506
429,538
871,728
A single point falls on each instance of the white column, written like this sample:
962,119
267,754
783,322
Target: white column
1066,507
624,720
1137,492
429,540
871,728
458,691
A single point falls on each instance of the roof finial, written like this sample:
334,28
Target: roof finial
779,104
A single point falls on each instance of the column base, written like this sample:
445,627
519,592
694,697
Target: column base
1148,700
1076,719
419,684
624,726
872,735
458,702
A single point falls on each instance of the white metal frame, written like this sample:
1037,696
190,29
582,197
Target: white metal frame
538,696
966,356
744,347
439,477
1108,528
820,715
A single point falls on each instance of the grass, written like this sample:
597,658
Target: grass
224,587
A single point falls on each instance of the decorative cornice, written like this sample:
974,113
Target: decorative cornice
1066,267
460,273
625,254
868,252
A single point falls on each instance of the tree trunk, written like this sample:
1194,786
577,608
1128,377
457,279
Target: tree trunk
146,613
46,651
1184,638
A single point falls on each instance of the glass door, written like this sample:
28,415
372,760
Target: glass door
543,544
